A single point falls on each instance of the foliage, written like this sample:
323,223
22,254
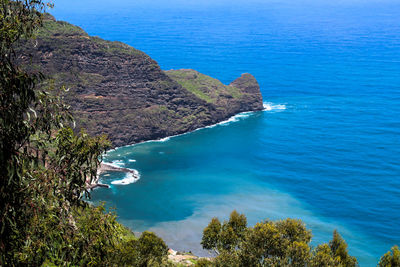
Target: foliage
276,243
339,251
391,258
18,18
151,249
323,257
61,28
85,237
148,250
211,235
271,243
219,237
200,84
45,168
203,263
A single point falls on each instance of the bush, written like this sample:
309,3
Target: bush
203,263
269,243
45,168
391,258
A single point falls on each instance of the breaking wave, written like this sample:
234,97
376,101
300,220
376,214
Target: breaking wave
269,106
129,178
117,163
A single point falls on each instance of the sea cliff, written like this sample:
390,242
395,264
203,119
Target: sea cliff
117,90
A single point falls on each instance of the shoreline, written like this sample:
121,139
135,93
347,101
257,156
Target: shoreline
230,119
175,256
267,106
104,167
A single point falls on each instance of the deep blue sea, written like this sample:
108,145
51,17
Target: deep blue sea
327,148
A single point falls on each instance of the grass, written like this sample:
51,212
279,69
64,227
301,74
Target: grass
115,47
61,28
64,29
203,86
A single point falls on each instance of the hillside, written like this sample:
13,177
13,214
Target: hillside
122,92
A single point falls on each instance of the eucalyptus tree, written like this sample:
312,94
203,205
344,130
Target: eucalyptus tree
44,165
271,243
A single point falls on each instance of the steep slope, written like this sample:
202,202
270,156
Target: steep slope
243,94
122,92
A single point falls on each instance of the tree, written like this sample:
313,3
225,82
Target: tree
267,243
273,243
339,251
221,237
45,167
391,258
18,18
151,248
210,240
298,254
323,257
238,223
276,243
333,254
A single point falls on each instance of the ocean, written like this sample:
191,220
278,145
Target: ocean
325,150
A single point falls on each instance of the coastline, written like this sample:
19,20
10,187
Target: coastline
178,256
107,166
134,174
104,167
233,118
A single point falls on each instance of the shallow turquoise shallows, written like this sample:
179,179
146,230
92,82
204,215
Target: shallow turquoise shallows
325,150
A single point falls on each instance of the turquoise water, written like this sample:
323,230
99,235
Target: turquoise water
326,150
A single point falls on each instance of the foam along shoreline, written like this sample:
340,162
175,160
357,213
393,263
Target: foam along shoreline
131,175
268,106
130,178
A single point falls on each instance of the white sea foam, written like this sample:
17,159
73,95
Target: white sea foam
268,106
129,178
112,164
117,163
234,118
155,140
132,160
164,139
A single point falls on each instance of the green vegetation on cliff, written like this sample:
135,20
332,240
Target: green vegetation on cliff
53,29
117,90
45,168
203,86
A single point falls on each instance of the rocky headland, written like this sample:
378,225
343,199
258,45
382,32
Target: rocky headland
119,91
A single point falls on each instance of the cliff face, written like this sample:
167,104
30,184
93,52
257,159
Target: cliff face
243,94
120,91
